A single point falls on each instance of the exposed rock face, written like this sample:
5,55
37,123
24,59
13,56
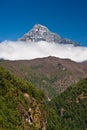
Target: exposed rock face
42,33
34,115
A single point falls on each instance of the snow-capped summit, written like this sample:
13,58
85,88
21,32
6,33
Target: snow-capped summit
42,33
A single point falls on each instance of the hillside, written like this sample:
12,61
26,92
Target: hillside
22,106
71,108
52,75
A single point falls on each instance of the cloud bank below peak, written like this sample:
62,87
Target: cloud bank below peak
10,50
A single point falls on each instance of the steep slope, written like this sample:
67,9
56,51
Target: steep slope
71,107
42,33
52,75
22,106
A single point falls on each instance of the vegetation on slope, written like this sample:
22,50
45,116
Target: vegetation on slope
48,74
21,104
71,108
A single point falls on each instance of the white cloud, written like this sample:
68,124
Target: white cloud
21,50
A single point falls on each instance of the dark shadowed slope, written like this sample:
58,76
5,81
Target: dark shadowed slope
71,107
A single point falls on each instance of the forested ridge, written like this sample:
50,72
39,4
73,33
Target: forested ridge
23,107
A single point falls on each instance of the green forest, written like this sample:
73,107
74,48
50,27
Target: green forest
14,103
70,108
23,107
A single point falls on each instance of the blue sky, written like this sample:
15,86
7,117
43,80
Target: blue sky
68,18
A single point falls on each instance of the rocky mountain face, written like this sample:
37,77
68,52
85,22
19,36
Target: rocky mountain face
42,33
52,75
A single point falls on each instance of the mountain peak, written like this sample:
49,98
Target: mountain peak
42,33
40,26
